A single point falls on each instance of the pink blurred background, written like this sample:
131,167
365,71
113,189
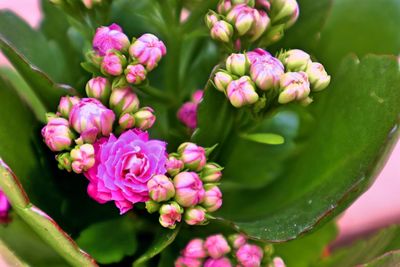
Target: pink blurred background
377,208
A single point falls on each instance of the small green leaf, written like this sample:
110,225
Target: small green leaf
110,241
264,138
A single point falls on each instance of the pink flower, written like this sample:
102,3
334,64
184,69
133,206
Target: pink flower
108,38
258,55
193,156
187,114
148,50
278,262
294,86
124,100
189,189
221,262
174,165
195,249
241,92
82,158
91,119
4,207
160,188
123,167
211,173
197,96
113,64
249,255
57,134
135,74
222,80
195,216
212,199
66,104
222,31
145,118
217,246
237,240
187,262
99,88
170,214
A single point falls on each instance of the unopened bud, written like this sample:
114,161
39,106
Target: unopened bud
295,60
318,77
135,74
174,165
285,12
212,200
195,216
189,189
224,6
113,64
160,188
237,64
193,156
222,31
211,173
294,86
237,240
66,104
217,246
144,118
99,88
211,18
242,92
82,158
222,80
126,121
57,134
123,100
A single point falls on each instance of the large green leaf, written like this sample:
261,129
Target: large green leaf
356,123
390,259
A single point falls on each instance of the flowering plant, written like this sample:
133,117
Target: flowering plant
193,133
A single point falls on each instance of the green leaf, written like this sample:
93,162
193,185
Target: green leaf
110,241
163,240
356,123
390,259
9,258
264,138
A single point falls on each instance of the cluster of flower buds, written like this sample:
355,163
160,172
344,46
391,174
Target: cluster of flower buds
251,77
217,251
189,190
4,208
187,113
251,20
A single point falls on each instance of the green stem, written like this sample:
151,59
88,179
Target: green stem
156,94
39,221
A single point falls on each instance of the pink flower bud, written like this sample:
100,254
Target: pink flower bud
222,31
189,189
91,119
266,72
82,158
197,96
145,118
249,255
258,55
263,4
237,64
193,156
66,104
278,262
124,100
188,262
195,249
222,80
294,86
187,114
285,11
242,92
211,19
57,134
113,64
295,60
221,262
152,206
170,214
174,165
212,200
195,216
216,246
237,240
248,20
135,74
318,77
224,6
110,38
260,25
160,188
211,173
99,88
64,161
148,50
4,208
126,121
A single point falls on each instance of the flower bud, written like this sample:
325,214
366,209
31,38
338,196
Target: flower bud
145,118
222,31
99,88
212,200
295,60
4,208
135,74
237,240
113,64
216,246
224,7
242,92
195,216
160,188
266,72
57,134
237,64
221,262
174,165
318,77
66,104
188,262
197,96
278,262
152,206
211,18
211,173
123,100
126,121
82,158
110,38
222,80
189,189
193,156
94,58
260,25
265,4
148,50
242,16
187,114
170,214
294,86
195,249
64,161
249,255
285,11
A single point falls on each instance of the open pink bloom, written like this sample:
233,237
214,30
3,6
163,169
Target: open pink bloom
57,134
108,38
195,249
148,50
249,255
189,189
187,262
170,214
187,114
221,262
4,207
123,167
216,246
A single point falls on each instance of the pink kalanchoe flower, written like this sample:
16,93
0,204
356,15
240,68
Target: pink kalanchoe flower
193,156
113,64
57,134
222,31
294,86
110,38
211,173
189,189
160,188
217,246
197,96
211,19
135,74
237,240
123,167
174,165
241,92
82,158
188,262
145,118
195,249
124,100
66,104
258,55
249,255
91,119
237,64
222,80
187,114
170,214
278,262
195,216
221,262
295,60
126,121
4,208
212,199
148,50
263,4
99,88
